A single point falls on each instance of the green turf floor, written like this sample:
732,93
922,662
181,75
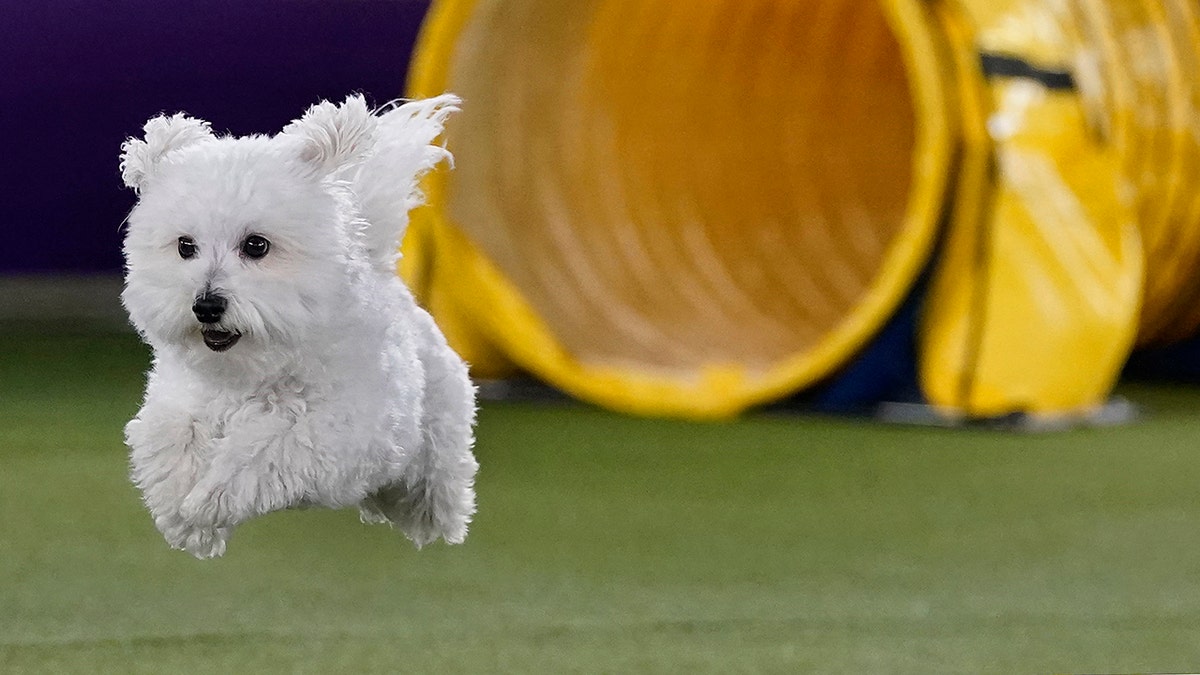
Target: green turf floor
610,544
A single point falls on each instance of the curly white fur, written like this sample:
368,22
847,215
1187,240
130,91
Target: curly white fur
338,390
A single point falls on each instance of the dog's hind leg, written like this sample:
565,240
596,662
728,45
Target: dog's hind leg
436,496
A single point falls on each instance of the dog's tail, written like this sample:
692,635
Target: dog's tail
387,182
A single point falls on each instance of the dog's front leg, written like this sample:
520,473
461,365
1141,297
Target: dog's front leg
253,471
169,449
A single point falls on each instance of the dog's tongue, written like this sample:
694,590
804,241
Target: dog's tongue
219,340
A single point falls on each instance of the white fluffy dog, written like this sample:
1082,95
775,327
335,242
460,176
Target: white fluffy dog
292,367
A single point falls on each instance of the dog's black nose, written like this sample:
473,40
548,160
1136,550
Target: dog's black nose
208,308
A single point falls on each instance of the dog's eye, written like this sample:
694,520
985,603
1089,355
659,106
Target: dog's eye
255,246
187,248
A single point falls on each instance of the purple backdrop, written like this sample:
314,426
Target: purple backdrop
77,78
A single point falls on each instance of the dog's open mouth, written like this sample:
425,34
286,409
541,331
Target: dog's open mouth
219,340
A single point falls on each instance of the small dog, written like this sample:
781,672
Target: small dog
292,367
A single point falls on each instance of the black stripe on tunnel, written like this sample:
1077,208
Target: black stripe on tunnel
1003,65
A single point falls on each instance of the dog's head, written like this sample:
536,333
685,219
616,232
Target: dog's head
240,244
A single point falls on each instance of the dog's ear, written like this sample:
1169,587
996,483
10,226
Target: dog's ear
332,136
163,135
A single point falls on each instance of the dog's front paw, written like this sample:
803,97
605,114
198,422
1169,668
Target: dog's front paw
201,541
206,542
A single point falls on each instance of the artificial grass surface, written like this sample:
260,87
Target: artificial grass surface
612,544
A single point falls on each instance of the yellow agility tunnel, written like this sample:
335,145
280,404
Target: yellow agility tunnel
687,209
